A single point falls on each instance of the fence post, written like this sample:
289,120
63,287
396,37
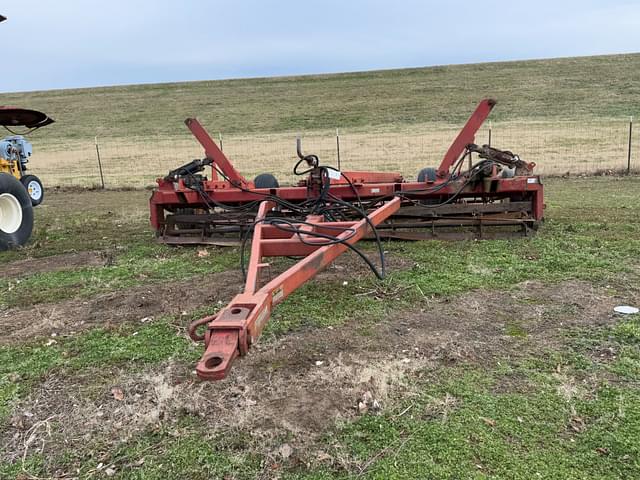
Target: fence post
629,149
99,163
220,139
489,133
338,146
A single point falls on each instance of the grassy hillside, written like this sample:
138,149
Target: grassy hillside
603,86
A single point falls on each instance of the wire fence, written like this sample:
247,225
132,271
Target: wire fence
558,148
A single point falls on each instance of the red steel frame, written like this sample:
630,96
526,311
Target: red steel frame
232,331
369,184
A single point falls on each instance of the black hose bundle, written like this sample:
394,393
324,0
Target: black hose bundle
326,205
333,208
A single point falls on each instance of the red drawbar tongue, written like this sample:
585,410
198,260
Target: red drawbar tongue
221,351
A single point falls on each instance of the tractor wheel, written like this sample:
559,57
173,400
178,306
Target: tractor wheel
16,213
266,180
34,188
427,175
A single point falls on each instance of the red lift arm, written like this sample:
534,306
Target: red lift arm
214,153
466,136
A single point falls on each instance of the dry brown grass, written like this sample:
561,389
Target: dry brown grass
556,146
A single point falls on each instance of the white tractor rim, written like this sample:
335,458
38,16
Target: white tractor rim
10,213
35,192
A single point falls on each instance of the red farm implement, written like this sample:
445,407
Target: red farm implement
326,214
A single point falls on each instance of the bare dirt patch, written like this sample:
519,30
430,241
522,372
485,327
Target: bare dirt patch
72,316
55,263
109,309
297,387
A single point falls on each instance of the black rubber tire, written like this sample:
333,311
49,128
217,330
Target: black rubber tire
266,180
26,181
427,175
11,186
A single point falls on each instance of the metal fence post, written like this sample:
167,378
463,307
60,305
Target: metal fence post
629,149
338,146
99,162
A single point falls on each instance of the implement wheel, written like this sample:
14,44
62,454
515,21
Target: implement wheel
16,213
427,175
34,188
266,180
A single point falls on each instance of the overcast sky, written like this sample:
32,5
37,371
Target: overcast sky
82,43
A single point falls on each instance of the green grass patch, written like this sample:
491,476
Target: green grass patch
137,264
86,220
616,349
462,429
21,367
324,304
194,456
514,329
449,268
33,465
184,451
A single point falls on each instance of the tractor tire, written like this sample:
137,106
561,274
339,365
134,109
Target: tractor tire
16,213
34,188
266,180
427,175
